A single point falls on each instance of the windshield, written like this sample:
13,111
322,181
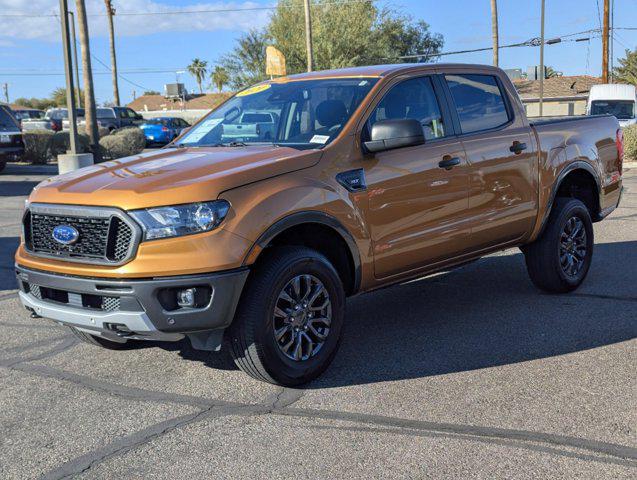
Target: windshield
621,109
158,121
6,120
63,113
299,114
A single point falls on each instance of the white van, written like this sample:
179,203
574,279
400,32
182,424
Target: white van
613,99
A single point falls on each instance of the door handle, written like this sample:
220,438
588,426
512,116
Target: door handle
449,162
517,147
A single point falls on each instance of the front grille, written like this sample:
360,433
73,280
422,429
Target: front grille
110,304
105,238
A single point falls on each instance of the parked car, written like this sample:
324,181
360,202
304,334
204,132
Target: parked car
55,119
11,144
614,99
27,114
251,126
163,130
117,117
375,176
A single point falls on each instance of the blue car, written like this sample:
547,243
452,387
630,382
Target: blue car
163,130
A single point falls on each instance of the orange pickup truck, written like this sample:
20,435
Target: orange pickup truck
370,176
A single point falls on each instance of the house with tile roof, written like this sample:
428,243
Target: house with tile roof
562,95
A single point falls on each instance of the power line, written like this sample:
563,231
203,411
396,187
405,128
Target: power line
192,12
533,42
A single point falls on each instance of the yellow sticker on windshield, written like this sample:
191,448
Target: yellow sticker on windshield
253,90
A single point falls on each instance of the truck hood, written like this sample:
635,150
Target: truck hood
171,176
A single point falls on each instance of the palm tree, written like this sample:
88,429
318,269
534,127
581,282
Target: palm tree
552,73
87,71
198,70
220,77
494,31
110,11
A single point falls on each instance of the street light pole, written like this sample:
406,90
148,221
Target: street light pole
78,92
70,98
308,36
542,61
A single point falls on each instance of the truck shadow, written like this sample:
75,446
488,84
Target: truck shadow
483,315
8,246
17,189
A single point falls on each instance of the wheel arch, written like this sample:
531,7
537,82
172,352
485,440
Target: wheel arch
335,240
568,184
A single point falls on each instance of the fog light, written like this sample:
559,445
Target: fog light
186,297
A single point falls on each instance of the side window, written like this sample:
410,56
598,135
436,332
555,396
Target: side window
479,102
413,99
123,114
131,113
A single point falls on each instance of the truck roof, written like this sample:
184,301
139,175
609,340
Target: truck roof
378,70
612,91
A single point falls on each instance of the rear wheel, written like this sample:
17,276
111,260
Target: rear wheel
559,260
288,324
102,342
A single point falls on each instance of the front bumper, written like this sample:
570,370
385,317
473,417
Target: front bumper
131,309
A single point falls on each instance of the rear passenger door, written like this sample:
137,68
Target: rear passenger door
416,208
502,158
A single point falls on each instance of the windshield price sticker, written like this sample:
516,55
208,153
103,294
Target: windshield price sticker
253,90
320,139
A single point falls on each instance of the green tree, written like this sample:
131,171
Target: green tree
627,70
219,77
198,69
246,63
375,36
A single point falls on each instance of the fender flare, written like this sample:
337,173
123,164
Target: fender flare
299,218
571,167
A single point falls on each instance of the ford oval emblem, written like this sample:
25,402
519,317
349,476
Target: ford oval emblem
65,234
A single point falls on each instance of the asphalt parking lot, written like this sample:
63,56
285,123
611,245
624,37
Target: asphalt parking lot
468,374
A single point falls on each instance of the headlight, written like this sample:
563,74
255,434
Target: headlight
178,220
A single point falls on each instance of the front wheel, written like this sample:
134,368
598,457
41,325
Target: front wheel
560,258
288,323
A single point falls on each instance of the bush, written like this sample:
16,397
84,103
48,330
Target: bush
61,143
103,131
37,145
123,143
630,143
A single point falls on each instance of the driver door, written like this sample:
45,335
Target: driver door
417,208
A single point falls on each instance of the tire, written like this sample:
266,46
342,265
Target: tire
560,267
251,337
102,342
3,163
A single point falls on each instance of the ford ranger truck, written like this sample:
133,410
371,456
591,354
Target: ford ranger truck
373,176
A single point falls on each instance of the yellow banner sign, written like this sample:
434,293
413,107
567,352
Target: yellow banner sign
274,62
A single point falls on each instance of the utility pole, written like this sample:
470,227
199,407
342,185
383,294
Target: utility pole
612,41
70,98
494,31
78,91
308,36
542,61
110,12
605,42
5,89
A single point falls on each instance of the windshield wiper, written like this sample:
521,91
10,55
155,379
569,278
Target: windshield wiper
234,144
176,145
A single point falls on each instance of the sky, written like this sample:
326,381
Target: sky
152,49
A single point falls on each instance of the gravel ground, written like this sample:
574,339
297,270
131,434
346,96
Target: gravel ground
468,374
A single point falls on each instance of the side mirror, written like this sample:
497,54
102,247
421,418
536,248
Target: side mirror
390,134
139,117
